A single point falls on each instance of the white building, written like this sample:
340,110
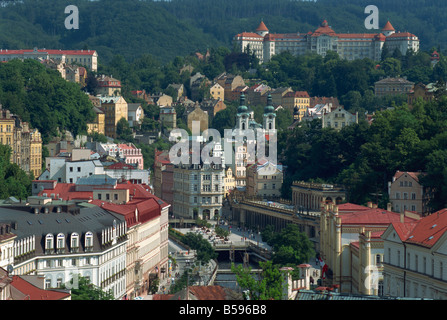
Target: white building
348,45
339,118
199,188
61,240
135,114
415,258
61,170
88,58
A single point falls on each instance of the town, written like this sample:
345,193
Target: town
348,204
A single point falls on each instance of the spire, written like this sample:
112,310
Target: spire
262,27
242,107
269,107
388,27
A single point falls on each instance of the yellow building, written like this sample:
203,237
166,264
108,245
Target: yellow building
35,158
352,248
25,143
6,128
297,101
229,181
114,109
98,125
217,92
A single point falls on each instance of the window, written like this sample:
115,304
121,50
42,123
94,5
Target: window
49,238
60,241
47,283
74,241
115,196
79,169
89,239
413,196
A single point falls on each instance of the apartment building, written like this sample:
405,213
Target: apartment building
406,193
414,258
265,186
199,188
25,142
114,109
59,240
349,46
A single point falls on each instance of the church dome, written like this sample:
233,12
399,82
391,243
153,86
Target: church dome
242,107
269,107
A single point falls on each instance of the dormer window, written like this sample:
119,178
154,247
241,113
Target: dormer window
74,242
89,240
60,242
49,242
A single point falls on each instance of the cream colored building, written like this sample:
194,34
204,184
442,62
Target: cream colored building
98,125
87,58
114,109
262,185
351,247
415,258
217,92
406,193
264,45
339,118
229,181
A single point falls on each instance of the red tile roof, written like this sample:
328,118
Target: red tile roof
262,27
414,175
429,229
34,293
388,27
372,217
50,51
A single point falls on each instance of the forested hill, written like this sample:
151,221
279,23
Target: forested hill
167,29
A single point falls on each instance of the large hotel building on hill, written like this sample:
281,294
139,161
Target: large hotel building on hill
87,58
349,46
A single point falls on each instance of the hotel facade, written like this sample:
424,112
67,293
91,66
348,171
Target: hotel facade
349,46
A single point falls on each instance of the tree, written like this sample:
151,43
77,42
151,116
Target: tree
123,130
85,290
290,246
268,285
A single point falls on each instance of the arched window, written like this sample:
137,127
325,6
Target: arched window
74,241
60,241
89,240
49,242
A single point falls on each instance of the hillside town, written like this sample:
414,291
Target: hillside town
97,212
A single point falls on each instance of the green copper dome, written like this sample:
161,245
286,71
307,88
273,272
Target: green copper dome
242,107
269,107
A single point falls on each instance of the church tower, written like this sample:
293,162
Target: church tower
243,115
269,115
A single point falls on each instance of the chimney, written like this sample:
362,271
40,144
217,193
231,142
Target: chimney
402,216
388,206
369,204
374,205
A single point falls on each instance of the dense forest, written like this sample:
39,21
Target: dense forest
166,29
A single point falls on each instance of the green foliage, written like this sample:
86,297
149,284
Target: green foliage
43,98
205,251
14,182
85,290
266,286
290,246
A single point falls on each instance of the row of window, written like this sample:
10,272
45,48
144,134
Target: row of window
415,263
74,241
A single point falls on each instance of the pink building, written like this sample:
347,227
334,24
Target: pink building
132,154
